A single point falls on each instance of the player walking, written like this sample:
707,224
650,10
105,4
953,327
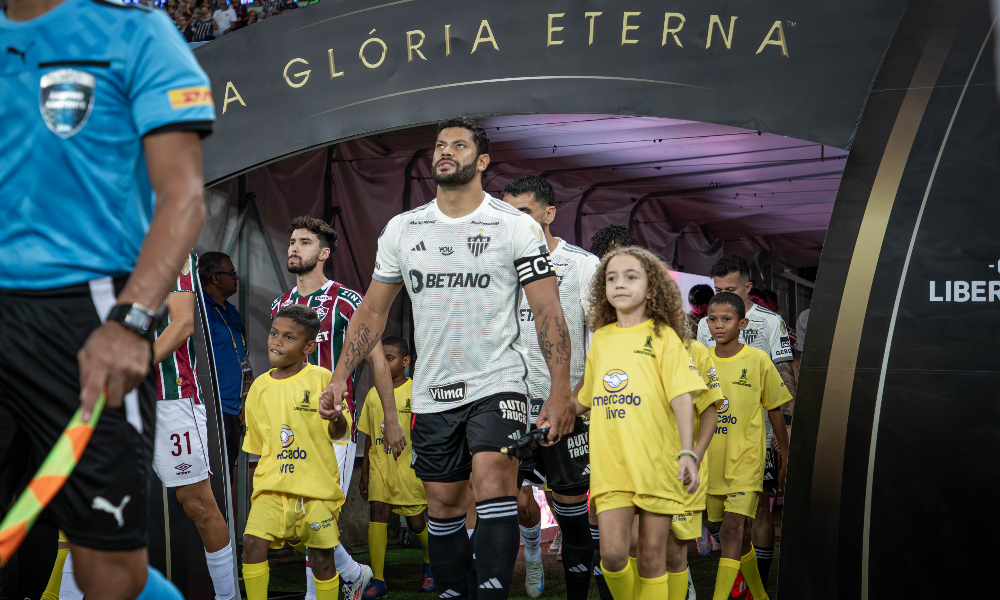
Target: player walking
100,133
564,467
463,259
311,244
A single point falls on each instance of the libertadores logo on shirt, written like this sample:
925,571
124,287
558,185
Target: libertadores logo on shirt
615,380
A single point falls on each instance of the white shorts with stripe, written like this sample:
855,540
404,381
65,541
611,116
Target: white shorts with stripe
345,463
180,452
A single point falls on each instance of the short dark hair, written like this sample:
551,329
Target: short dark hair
732,300
730,264
398,343
700,294
532,184
478,133
209,264
304,316
612,236
757,292
324,233
772,296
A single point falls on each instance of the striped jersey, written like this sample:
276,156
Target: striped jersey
177,375
334,305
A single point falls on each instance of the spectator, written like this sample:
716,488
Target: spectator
203,26
219,281
251,17
241,14
224,17
698,297
184,26
271,7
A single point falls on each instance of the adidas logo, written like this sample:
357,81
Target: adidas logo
515,436
492,584
598,572
449,594
418,248
587,470
578,569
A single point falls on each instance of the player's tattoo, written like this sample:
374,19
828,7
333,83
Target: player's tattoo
553,340
358,348
542,330
787,376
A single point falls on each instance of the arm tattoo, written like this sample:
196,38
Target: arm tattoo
555,351
785,370
358,348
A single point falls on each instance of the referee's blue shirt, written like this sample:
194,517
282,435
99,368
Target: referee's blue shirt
79,88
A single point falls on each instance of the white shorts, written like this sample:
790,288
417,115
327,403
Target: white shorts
345,463
180,454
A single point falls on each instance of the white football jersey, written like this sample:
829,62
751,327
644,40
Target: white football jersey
464,278
766,331
575,268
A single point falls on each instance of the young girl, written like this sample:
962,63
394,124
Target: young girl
639,384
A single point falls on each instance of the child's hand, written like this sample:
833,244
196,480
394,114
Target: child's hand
688,473
330,409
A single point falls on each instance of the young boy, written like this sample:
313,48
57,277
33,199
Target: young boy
391,486
751,385
296,486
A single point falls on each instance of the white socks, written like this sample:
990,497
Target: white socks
68,590
348,568
532,537
220,568
310,583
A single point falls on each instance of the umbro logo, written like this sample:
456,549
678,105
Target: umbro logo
419,248
183,467
578,569
492,584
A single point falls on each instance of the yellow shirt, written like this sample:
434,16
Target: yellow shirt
390,481
713,395
752,386
294,444
630,378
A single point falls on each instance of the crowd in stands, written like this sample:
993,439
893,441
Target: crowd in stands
205,20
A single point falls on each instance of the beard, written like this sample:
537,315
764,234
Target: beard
304,266
463,175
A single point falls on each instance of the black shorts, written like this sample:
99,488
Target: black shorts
772,467
103,504
443,443
565,467
233,430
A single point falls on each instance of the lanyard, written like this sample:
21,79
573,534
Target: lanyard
231,336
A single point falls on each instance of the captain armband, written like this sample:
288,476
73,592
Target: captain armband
533,268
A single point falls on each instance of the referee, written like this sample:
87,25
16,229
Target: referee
102,106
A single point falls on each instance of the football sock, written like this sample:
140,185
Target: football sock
377,537
451,556
220,568
55,579
677,585
329,589
595,543
422,538
633,564
158,588
347,567
68,590
255,578
574,521
496,544
655,588
748,566
764,558
620,582
532,537
725,578
310,581
473,574
715,536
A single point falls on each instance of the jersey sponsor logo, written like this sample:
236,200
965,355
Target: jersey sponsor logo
533,268
424,222
725,419
448,280
481,222
186,97
66,98
526,315
419,247
478,244
187,267
446,250
287,436
324,298
785,343
452,392
615,380
578,445
514,410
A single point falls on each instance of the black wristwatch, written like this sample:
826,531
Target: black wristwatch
138,318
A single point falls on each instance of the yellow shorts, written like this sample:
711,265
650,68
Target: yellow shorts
411,510
277,517
687,526
62,537
740,503
653,504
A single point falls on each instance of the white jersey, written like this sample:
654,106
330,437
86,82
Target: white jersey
766,331
464,278
575,268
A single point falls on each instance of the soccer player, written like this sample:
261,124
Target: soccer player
390,485
639,385
310,245
101,190
765,331
751,385
296,486
564,467
464,259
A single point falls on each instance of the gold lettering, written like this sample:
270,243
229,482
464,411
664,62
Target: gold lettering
361,52
550,41
728,40
447,40
235,97
593,17
489,38
303,74
667,31
333,69
626,27
410,48
778,42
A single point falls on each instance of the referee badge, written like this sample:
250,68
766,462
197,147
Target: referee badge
65,98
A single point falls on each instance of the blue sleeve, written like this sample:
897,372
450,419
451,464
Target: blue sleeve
168,89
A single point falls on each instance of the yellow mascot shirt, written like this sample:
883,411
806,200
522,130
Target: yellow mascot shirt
706,368
752,386
631,377
390,481
293,441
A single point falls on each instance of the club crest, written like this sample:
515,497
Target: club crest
65,98
478,244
